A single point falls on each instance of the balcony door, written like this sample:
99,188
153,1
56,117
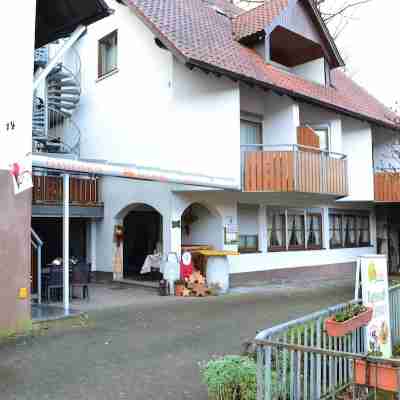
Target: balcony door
250,135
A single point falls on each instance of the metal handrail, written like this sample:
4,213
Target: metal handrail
278,329
293,147
38,244
395,362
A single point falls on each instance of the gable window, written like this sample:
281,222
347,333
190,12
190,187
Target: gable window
293,229
108,54
349,230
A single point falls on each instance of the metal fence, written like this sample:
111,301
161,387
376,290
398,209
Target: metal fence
298,360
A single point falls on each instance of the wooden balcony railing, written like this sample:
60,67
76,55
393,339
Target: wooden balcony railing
294,168
387,186
49,190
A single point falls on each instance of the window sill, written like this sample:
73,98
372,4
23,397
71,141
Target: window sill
107,75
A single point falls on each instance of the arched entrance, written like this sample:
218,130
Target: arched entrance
201,226
143,227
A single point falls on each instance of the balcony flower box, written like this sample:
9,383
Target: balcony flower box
348,321
381,376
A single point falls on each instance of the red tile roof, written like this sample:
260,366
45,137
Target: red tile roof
256,19
201,37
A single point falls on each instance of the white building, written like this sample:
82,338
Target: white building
252,100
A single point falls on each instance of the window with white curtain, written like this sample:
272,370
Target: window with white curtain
314,231
294,229
250,134
276,230
349,229
108,52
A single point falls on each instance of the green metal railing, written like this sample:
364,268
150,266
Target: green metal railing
298,360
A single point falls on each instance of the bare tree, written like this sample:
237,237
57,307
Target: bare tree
336,13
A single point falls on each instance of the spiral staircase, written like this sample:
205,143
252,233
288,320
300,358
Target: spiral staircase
53,127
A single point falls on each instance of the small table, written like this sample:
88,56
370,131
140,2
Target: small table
152,261
217,271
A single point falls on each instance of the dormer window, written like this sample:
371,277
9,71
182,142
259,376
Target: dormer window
298,54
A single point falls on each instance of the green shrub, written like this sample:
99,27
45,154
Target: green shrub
230,378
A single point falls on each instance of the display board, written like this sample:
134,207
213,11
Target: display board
375,294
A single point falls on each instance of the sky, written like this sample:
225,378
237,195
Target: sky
370,46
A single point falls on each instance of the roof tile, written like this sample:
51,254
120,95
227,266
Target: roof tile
203,37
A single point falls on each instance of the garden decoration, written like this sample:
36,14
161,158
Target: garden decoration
348,320
118,234
180,286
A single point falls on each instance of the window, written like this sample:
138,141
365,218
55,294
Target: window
296,231
314,231
323,135
248,243
348,230
107,54
335,231
276,231
250,134
293,229
363,231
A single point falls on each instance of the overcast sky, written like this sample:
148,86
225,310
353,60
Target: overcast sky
371,45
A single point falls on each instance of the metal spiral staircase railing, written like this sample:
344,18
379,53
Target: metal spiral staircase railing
53,127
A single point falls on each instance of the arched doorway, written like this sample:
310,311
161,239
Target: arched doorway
143,227
201,226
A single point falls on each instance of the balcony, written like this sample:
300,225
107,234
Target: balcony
387,186
293,168
47,196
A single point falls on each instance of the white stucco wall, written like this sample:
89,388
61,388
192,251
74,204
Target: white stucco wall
206,230
357,144
313,71
248,219
294,259
280,114
118,194
154,111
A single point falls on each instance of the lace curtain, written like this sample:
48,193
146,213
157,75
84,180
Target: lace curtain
296,231
314,230
276,230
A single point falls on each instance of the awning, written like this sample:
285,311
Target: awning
56,19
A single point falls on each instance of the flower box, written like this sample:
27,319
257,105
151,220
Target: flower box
381,376
336,329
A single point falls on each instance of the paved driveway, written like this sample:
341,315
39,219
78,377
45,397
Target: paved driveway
148,350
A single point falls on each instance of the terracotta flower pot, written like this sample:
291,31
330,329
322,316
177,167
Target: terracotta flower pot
179,289
381,376
336,329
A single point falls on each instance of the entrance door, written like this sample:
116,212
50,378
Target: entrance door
142,236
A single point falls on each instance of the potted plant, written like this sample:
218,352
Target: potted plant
180,286
381,376
348,320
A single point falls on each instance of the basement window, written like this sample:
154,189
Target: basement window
108,54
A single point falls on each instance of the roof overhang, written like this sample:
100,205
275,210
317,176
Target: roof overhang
56,19
192,63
